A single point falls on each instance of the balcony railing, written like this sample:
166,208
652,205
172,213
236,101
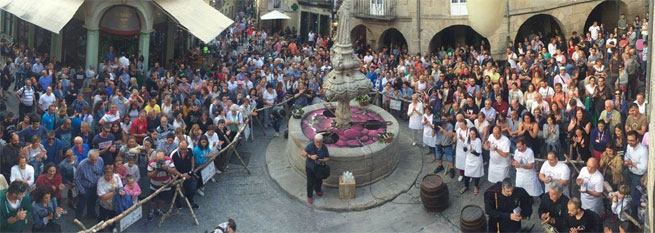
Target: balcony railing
375,9
317,3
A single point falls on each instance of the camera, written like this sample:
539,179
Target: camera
159,165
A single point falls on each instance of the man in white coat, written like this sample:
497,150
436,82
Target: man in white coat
526,176
498,146
591,187
555,171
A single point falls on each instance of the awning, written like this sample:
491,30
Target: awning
51,15
274,15
200,19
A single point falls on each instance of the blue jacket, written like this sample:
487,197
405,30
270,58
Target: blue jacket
40,212
121,203
67,170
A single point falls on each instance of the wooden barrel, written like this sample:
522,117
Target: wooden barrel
472,219
434,193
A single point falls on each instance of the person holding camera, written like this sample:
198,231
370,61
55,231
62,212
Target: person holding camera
161,170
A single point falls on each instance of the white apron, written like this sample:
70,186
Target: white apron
416,117
498,165
474,166
527,178
460,155
429,139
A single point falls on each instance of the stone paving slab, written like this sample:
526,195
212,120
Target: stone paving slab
294,184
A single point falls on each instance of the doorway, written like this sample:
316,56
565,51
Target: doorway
123,45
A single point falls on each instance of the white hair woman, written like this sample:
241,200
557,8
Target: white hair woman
317,155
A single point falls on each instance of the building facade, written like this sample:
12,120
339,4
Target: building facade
129,27
426,25
306,15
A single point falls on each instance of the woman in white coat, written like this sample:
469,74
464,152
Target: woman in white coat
526,176
474,166
429,135
415,114
462,136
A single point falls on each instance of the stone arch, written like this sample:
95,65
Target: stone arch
547,24
607,13
451,35
96,12
360,32
392,37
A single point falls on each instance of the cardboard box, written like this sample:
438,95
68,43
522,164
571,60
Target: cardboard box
346,190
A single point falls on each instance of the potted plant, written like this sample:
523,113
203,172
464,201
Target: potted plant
363,100
385,137
297,112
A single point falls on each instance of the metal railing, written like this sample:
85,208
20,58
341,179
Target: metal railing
319,3
375,9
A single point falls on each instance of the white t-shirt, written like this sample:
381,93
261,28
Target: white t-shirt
642,107
26,174
560,172
105,187
591,182
269,97
594,31
46,100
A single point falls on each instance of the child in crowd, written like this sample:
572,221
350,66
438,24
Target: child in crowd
132,187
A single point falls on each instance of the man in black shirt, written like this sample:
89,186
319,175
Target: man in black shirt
506,205
553,207
470,109
153,121
9,124
185,163
581,220
104,142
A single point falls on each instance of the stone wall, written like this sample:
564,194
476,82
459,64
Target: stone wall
435,16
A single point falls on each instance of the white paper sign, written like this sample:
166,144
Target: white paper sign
130,219
395,104
208,172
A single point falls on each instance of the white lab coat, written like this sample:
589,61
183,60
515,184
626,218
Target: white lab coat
527,178
460,154
498,165
474,167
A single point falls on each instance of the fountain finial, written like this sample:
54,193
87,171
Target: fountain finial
345,81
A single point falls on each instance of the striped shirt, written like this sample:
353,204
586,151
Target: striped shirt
87,174
26,95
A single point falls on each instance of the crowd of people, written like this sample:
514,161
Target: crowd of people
567,101
566,114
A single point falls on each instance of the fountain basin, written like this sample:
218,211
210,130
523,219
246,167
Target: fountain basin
368,159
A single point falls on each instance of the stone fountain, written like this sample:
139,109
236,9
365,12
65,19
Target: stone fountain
350,131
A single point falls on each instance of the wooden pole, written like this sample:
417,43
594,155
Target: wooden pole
178,192
103,224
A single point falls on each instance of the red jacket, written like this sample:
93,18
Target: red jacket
139,127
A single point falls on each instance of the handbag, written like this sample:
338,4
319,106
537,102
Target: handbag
322,171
